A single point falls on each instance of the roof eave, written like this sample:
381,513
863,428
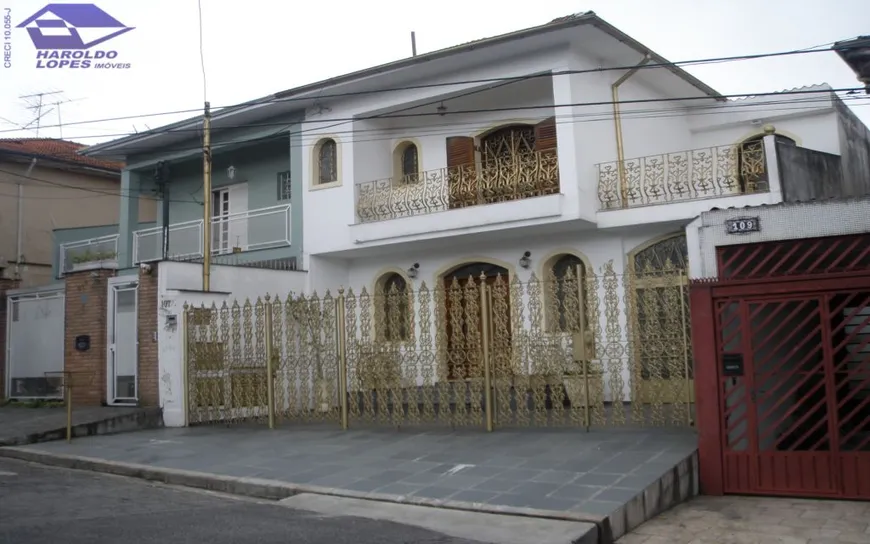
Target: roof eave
105,149
65,162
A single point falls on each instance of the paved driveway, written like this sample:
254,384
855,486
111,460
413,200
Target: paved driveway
751,520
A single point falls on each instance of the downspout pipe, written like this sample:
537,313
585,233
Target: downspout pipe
19,234
617,120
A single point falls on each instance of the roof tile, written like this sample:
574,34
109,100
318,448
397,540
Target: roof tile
56,149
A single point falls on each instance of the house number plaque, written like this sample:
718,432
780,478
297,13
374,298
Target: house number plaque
742,225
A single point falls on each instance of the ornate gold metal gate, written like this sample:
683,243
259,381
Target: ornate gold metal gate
581,349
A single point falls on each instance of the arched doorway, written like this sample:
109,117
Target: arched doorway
663,371
464,318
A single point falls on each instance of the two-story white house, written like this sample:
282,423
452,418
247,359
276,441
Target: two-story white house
563,147
481,207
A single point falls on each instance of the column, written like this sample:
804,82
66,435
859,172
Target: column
128,219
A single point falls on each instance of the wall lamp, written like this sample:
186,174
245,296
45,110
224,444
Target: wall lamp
525,261
412,272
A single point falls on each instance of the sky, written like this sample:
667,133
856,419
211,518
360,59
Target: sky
257,47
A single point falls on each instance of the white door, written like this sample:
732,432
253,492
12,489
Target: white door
230,219
220,228
239,216
123,339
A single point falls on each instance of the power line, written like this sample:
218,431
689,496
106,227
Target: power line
78,188
570,120
692,62
340,121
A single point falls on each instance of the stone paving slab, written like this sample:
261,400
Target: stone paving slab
552,470
757,520
23,424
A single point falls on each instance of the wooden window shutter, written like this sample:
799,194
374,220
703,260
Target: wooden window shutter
545,134
460,151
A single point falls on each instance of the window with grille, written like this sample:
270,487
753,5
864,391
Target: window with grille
284,191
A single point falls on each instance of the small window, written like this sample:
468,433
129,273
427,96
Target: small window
569,296
327,162
284,191
410,163
395,308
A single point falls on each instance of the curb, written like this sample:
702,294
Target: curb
145,418
274,490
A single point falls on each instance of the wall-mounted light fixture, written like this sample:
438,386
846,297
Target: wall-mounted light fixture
525,260
412,272
231,172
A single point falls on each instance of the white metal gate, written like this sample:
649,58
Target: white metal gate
123,341
34,343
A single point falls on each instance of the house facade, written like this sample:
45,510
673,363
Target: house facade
43,176
58,213
519,208
491,234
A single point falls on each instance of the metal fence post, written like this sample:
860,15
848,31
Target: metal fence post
485,352
341,337
270,359
185,363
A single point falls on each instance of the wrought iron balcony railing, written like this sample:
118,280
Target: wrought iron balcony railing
513,177
685,175
260,228
103,250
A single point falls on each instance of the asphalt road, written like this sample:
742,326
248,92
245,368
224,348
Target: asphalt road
44,504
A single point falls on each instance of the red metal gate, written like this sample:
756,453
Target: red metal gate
786,408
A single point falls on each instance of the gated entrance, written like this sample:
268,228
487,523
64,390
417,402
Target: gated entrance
783,373
484,351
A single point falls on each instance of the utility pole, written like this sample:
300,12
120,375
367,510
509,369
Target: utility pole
206,200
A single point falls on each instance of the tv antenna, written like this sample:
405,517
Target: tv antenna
35,103
59,119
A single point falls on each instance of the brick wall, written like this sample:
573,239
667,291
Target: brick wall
86,299
149,390
5,285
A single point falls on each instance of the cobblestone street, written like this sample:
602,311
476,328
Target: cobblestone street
756,520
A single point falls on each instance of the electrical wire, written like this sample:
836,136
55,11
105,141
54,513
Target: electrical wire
564,120
284,131
217,110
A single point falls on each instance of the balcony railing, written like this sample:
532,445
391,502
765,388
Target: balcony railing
514,177
260,228
685,175
102,250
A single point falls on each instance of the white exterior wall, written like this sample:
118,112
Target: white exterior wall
597,248
586,137
179,283
783,222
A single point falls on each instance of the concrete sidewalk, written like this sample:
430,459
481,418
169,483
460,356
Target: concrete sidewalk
30,425
601,478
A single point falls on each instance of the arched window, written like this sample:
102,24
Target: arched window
752,174
659,308
410,162
565,285
394,307
507,143
327,161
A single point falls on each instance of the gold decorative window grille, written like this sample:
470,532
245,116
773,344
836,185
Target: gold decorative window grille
660,312
393,307
567,277
506,144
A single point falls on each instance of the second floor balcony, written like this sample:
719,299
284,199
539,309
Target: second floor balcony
251,230
681,176
512,176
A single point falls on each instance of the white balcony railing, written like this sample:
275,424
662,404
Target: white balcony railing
102,250
260,228
696,174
